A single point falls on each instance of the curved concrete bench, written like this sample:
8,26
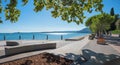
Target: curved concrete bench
21,48
74,39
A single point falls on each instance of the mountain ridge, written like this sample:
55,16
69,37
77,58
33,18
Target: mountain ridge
84,30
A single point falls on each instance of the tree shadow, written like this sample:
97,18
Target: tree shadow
51,58
89,57
78,59
97,58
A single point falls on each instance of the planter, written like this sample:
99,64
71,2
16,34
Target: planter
101,40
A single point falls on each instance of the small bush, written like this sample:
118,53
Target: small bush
116,32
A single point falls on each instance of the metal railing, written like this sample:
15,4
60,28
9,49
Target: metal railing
21,37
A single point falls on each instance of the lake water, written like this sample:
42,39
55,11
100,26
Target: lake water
39,36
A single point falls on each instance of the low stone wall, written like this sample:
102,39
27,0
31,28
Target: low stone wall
75,39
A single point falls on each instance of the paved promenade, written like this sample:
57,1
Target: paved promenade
73,48
95,54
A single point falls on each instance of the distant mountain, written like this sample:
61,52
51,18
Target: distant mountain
61,32
85,30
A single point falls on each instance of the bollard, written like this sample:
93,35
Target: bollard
4,37
19,37
33,37
61,37
47,37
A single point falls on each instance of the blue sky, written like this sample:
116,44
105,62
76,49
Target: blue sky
30,21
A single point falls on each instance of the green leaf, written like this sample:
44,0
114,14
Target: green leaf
0,20
24,2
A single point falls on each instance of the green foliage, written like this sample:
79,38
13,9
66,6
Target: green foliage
116,32
11,12
0,20
25,2
68,10
100,23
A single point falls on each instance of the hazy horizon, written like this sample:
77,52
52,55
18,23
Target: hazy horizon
42,31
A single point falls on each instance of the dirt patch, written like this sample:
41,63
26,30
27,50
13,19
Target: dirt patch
40,59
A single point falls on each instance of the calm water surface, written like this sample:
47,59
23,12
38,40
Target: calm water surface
39,36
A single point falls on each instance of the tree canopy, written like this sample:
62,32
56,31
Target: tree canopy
100,23
68,10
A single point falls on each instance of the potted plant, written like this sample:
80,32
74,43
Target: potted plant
101,40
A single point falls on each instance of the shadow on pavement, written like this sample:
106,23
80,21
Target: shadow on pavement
97,58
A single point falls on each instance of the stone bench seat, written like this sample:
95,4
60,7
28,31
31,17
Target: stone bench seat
21,48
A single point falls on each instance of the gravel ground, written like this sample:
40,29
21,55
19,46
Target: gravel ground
40,59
